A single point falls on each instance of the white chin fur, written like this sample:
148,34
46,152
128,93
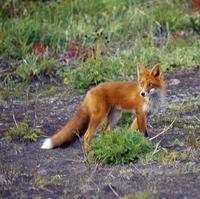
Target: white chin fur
47,144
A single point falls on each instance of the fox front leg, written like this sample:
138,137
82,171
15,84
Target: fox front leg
140,123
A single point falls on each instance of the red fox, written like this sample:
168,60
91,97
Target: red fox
109,100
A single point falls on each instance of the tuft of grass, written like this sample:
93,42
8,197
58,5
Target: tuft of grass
9,173
41,181
173,107
141,195
175,156
21,131
4,95
27,70
192,140
120,146
178,142
37,197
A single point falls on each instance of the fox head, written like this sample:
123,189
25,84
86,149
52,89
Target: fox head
150,80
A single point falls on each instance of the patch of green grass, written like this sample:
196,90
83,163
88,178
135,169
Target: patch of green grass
141,195
9,173
37,25
34,67
126,119
37,197
21,131
122,65
195,21
157,120
175,156
178,142
57,24
186,107
4,94
55,179
40,181
95,71
192,136
52,91
120,146
173,107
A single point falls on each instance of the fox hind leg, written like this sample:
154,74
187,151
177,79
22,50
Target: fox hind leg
113,117
93,124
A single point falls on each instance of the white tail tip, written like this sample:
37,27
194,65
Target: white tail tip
47,144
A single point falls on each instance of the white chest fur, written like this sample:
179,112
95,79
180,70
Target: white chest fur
153,101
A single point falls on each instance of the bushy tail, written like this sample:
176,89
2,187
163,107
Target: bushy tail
77,123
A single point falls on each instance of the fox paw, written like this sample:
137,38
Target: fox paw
146,134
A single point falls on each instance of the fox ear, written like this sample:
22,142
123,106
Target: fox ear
140,69
155,71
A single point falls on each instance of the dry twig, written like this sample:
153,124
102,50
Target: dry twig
197,118
13,115
85,156
164,130
115,193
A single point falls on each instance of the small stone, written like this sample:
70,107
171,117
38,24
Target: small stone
174,82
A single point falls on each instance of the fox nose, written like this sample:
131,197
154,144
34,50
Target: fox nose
142,94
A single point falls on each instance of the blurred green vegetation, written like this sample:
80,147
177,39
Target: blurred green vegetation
103,39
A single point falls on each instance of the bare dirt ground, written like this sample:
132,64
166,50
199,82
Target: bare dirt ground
26,171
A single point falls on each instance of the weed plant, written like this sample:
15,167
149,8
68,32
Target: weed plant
22,131
120,146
